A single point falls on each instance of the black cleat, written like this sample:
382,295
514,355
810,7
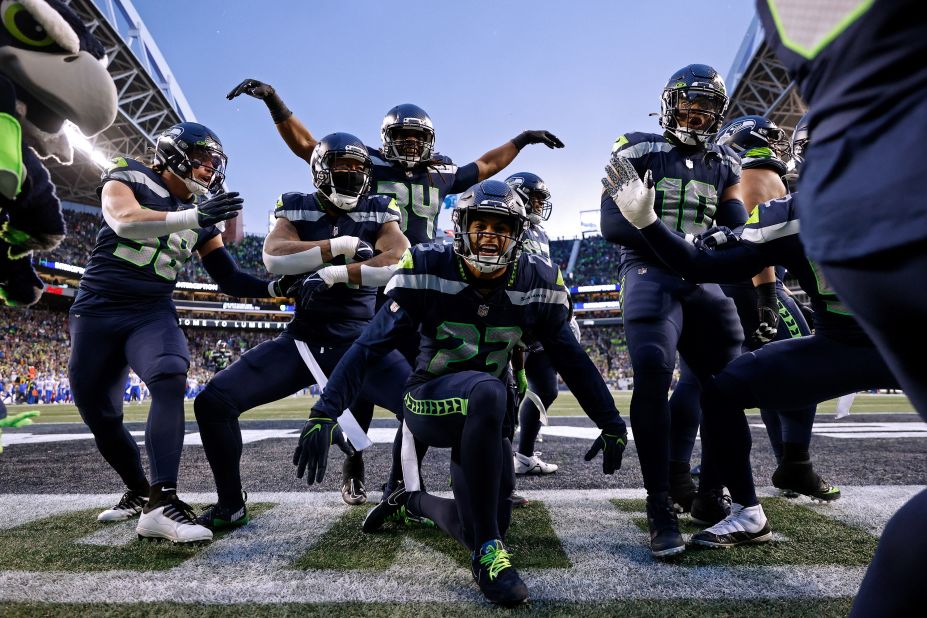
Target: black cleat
682,487
394,508
352,480
217,517
800,478
518,500
710,507
665,538
497,578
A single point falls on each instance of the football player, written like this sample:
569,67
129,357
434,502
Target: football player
763,149
407,167
472,303
350,241
837,359
698,183
123,315
860,68
538,372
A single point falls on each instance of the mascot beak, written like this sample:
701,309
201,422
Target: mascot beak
73,87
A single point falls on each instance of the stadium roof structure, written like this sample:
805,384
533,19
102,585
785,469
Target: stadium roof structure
150,99
760,85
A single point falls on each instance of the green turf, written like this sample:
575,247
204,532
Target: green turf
49,545
530,539
811,539
781,608
565,405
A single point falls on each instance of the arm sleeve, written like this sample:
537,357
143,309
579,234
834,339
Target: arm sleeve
221,266
582,376
465,177
731,213
389,326
737,263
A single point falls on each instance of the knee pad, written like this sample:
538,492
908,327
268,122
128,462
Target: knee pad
488,396
652,358
168,366
211,406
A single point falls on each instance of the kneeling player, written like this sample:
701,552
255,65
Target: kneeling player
471,305
332,233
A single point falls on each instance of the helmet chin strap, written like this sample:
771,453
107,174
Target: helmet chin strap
342,201
193,186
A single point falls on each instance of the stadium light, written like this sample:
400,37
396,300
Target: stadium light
80,142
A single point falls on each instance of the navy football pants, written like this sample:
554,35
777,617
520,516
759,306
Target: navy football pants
815,368
663,313
266,373
542,380
467,412
104,344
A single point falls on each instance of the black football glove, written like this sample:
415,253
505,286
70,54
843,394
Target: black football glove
305,287
767,305
363,252
537,137
265,92
218,208
281,286
612,442
317,436
253,88
719,237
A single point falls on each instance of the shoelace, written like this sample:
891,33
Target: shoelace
726,523
495,562
180,511
210,511
130,500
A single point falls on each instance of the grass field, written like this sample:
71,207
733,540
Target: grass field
566,405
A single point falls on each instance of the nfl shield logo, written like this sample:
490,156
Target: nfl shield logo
482,311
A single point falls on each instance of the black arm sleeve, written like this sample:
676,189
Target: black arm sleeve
381,336
616,229
731,213
583,378
731,265
221,266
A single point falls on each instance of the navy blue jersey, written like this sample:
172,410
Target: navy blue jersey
770,237
862,69
689,181
463,330
123,269
420,191
535,240
339,313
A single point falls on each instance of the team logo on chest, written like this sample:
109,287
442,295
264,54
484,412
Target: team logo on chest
482,311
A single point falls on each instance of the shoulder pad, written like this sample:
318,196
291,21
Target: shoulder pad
771,220
288,204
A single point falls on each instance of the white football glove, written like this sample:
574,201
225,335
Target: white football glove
633,196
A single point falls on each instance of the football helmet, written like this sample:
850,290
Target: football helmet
800,140
187,146
526,186
759,142
343,188
693,104
488,197
398,132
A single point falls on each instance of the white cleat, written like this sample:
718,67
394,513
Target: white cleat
130,505
533,465
745,525
174,521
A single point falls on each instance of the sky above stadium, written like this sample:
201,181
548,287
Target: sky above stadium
484,70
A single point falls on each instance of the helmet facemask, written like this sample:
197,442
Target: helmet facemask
343,177
693,114
478,241
410,143
184,160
